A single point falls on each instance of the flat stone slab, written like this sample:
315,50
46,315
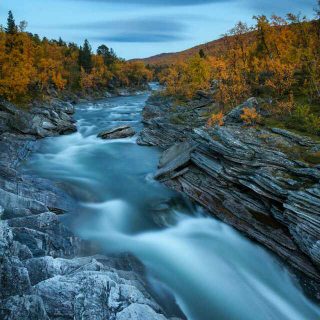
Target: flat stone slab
120,132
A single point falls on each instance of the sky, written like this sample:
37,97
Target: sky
142,28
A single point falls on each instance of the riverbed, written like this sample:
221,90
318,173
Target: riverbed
212,271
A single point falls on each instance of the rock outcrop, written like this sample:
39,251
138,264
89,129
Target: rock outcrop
253,179
119,132
42,120
43,274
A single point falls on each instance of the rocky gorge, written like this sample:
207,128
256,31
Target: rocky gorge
45,272
86,232
253,179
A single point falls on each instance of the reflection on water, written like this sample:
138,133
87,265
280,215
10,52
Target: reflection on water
212,270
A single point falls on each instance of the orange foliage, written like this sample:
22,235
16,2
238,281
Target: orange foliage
16,61
250,116
285,107
216,119
274,58
30,66
184,79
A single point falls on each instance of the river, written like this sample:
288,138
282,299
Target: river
213,272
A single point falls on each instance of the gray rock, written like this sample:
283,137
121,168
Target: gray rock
139,312
19,213
64,106
12,201
120,132
90,295
14,278
27,307
42,120
234,117
303,141
175,157
44,268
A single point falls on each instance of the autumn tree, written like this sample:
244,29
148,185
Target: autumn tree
184,79
275,60
316,9
17,71
307,51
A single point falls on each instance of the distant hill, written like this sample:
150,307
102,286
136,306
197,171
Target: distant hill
209,48
155,59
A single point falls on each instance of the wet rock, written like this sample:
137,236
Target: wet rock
11,201
14,277
27,307
18,213
55,240
44,268
90,294
120,132
175,157
139,312
64,106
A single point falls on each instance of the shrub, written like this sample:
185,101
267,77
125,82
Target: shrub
313,158
216,119
302,119
250,116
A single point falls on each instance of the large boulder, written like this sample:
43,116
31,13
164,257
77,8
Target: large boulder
120,132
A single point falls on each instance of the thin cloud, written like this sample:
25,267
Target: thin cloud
158,24
159,2
139,37
157,29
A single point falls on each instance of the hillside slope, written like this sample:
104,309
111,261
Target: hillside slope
209,48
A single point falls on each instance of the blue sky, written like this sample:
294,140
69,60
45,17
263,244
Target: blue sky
141,28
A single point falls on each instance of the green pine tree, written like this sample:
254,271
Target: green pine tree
109,56
85,57
11,25
202,54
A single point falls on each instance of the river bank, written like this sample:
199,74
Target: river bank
45,270
252,179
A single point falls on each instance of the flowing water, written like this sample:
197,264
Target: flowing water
213,272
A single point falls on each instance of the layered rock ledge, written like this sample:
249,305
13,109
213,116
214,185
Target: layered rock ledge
43,271
250,178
